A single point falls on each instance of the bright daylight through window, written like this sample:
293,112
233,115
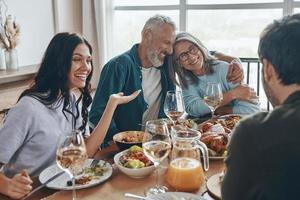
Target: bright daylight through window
231,26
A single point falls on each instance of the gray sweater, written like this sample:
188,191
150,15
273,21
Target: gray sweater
29,136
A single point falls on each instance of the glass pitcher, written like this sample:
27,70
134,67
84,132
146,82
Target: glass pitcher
185,172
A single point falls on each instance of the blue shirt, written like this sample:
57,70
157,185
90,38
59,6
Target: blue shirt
193,95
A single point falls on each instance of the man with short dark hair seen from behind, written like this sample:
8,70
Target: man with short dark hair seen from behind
264,152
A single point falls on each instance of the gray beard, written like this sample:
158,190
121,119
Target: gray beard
152,56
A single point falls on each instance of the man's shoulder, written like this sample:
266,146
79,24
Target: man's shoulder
254,119
251,124
127,58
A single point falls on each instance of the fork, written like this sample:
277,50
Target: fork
94,163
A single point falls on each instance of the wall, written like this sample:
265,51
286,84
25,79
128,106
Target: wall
37,28
40,20
68,15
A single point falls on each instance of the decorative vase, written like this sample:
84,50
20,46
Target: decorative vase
11,58
2,60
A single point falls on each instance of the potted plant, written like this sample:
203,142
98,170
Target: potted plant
9,38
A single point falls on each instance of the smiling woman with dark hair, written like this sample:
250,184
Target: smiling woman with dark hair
49,109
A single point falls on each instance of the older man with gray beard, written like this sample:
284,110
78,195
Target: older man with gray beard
142,67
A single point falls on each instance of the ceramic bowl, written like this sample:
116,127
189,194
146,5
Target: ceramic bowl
124,140
133,173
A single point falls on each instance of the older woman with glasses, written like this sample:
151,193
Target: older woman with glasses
195,68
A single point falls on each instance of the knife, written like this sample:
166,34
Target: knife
43,185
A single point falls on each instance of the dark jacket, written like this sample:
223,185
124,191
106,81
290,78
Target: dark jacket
264,155
123,74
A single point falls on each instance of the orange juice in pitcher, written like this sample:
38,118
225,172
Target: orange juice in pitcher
185,174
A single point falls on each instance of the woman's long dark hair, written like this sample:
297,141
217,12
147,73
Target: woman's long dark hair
185,76
51,84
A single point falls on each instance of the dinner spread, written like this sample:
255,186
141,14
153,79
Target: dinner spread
216,133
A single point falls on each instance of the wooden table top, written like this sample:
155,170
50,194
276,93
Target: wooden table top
115,187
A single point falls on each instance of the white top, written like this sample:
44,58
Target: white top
152,92
29,136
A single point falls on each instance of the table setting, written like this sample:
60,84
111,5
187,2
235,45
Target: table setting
174,158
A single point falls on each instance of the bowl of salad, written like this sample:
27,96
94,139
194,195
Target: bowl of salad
134,163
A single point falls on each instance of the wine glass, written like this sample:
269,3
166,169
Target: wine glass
71,155
213,96
156,146
174,105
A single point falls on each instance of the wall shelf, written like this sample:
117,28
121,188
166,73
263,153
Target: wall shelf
23,73
12,83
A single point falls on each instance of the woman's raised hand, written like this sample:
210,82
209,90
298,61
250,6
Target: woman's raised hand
119,98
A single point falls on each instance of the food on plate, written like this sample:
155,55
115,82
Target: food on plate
88,174
126,139
231,121
216,133
185,123
135,158
138,137
83,180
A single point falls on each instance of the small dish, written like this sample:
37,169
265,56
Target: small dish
124,140
133,173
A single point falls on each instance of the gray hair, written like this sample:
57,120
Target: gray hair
158,20
186,77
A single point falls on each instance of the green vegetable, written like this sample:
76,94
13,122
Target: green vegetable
134,164
135,148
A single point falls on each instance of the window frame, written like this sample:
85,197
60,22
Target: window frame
287,7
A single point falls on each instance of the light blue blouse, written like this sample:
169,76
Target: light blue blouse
193,95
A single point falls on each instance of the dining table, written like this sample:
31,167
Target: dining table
118,184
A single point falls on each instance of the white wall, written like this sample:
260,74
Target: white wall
36,19
39,21
68,15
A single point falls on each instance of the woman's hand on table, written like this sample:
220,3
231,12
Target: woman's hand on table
17,186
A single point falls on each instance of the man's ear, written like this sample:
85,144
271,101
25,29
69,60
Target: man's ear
269,72
147,34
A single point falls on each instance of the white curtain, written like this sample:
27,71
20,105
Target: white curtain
96,18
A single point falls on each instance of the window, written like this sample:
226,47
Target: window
145,3
231,1
235,32
127,27
232,27
229,26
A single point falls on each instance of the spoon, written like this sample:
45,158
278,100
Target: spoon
134,196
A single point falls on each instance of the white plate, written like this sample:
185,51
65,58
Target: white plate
213,185
175,196
60,183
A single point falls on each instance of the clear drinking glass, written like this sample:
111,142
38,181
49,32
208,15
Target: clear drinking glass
174,105
71,155
156,146
213,96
